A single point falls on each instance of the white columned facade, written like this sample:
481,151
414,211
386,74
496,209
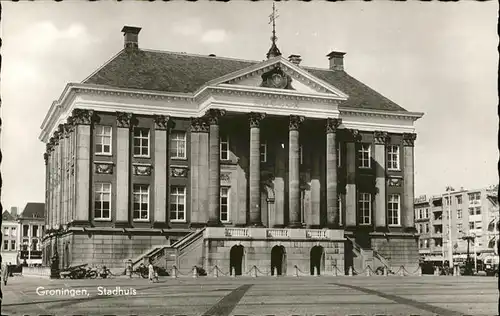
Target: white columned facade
124,123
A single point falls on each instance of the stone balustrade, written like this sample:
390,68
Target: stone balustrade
43,272
273,233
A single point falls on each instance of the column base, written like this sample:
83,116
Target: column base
214,223
279,226
197,225
382,229
79,224
160,225
410,230
295,225
258,225
316,227
122,224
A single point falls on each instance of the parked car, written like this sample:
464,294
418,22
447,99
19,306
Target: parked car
491,265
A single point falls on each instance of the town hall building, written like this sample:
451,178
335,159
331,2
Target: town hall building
194,160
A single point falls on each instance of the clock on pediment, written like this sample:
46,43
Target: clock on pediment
276,78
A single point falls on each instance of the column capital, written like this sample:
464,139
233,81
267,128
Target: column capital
163,122
381,137
332,124
199,125
295,122
353,135
46,158
213,116
409,139
255,117
82,117
125,120
55,139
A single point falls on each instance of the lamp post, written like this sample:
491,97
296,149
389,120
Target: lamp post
450,245
468,238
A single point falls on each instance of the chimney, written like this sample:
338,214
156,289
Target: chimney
131,36
336,60
13,211
295,59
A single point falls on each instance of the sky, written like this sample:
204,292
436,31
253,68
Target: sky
436,58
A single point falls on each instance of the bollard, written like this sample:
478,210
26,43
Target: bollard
216,272
129,268
436,271
368,271
254,271
276,271
419,271
233,272
385,271
174,272
401,271
195,272
296,271
350,271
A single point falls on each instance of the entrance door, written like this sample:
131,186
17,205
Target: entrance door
236,259
316,258
278,260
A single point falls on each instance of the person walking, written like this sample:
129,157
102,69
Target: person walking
5,273
151,272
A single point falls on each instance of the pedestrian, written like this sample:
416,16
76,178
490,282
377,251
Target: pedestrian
5,273
151,270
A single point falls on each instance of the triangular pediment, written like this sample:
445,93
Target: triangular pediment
278,73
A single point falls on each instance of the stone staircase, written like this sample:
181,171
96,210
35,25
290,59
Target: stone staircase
184,253
366,256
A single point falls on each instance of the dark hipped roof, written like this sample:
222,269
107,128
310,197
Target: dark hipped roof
185,73
33,210
6,216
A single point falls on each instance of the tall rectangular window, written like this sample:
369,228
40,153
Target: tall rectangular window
339,162
141,202
224,204
224,147
263,152
393,157
426,213
459,199
459,227
141,142
364,156
301,154
478,210
471,225
178,203
459,214
5,245
13,245
394,210
421,213
26,230
35,231
178,145
102,201
365,208
102,140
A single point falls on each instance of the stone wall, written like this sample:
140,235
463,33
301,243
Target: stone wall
258,253
109,250
399,250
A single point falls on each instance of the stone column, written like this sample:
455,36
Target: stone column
203,181
52,177
123,124
294,171
408,181
213,116
194,170
254,170
314,216
83,120
57,217
381,139
332,210
351,196
162,124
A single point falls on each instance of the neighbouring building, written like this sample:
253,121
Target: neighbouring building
10,237
473,214
32,226
203,160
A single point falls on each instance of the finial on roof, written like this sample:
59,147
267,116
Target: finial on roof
274,50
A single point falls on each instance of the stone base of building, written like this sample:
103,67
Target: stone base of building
111,247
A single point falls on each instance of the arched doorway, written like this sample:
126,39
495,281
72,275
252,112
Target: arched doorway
316,259
278,260
236,259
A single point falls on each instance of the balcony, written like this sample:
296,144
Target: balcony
273,233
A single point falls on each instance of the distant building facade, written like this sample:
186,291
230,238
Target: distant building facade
10,237
474,213
278,164
32,226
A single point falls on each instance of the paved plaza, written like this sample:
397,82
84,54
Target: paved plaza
326,295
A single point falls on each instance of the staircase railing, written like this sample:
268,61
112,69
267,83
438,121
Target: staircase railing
382,259
188,240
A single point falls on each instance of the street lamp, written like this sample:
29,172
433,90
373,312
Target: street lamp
450,246
468,238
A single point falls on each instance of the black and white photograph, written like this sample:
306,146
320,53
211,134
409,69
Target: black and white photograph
249,158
